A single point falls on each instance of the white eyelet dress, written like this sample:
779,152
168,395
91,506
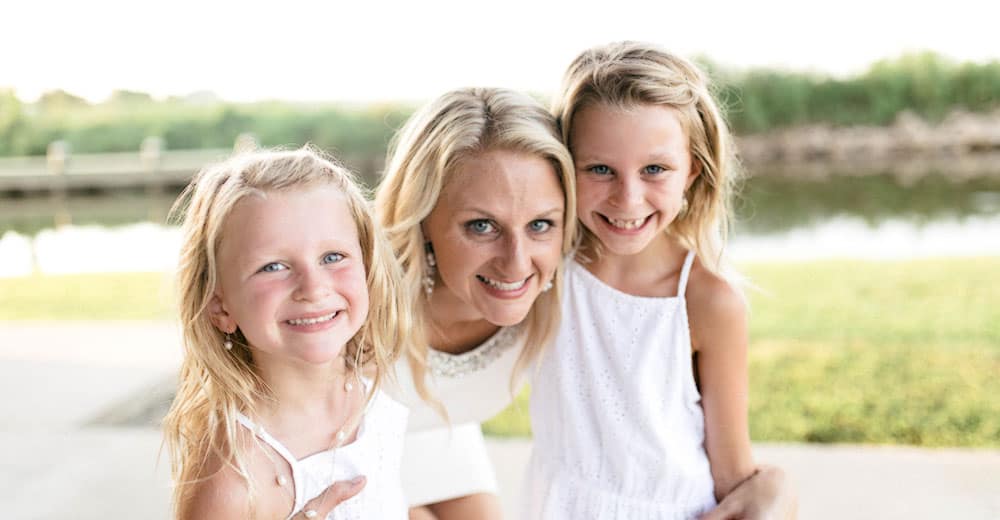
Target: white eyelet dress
375,453
617,420
442,461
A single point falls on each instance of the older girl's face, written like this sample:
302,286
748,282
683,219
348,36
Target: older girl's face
497,233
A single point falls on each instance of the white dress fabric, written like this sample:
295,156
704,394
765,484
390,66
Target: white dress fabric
442,461
375,453
617,418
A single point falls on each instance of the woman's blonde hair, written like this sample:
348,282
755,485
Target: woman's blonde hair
628,74
216,383
422,160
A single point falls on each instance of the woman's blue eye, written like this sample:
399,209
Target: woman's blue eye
600,169
654,169
540,226
481,226
272,267
332,258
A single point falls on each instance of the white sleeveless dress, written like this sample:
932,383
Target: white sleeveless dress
375,453
442,461
617,418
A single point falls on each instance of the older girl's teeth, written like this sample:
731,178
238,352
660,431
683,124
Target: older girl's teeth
627,224
312,321
513,286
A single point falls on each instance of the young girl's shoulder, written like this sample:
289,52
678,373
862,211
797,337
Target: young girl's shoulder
222,492
716,306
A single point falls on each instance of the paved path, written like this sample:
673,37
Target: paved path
62,384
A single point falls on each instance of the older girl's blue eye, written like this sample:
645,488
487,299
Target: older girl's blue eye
272,267
332,258
481,226
654,169
540,226
600,169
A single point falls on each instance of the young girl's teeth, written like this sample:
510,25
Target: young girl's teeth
312,321
513,286
627,224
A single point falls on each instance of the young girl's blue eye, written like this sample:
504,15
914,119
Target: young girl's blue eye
272,267
332,258
600,169
481,226
540,225
653,169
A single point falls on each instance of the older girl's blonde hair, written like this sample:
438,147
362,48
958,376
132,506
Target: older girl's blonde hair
216,383
422,160
628,74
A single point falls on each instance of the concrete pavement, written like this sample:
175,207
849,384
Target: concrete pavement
76,440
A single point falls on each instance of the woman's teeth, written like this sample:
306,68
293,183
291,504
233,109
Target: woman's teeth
513,286
311,321
626,224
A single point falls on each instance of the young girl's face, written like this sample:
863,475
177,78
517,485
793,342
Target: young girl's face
497,232
291,274
632,168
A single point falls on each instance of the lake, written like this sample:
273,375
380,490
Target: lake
873,216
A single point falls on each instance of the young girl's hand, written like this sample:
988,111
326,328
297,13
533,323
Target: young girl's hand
319,507
767,495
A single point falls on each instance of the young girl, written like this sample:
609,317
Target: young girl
291,314
640,408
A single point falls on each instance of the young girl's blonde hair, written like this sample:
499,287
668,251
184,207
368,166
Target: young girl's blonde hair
628,74
422,159
216,383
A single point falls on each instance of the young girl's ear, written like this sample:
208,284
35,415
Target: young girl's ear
695,172
219,316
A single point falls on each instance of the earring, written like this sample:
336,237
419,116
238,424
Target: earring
228,344
547,287
684,206
428,279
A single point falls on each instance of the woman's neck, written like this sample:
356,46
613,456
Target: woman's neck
453,326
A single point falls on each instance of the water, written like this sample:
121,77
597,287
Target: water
778,218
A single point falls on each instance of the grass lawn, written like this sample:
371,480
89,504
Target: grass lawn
902,352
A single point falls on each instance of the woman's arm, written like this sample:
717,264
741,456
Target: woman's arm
718,322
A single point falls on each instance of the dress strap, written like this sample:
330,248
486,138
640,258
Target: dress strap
259,431
685,271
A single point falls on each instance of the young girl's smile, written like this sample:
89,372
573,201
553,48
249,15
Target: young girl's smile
292,276
632,168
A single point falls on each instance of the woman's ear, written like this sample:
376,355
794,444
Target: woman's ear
695,172
219,316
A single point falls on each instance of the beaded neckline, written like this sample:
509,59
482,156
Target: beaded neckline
443,364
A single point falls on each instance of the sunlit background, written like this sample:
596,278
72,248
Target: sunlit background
868,224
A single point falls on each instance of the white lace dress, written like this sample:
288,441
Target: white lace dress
442,461
617,418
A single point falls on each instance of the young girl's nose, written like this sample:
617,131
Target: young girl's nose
627,191
312,285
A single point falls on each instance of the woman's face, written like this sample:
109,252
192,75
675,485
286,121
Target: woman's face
497,234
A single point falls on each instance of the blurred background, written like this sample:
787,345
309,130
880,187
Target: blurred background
869,220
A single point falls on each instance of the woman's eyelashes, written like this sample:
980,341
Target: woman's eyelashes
332,258
488,228
481,226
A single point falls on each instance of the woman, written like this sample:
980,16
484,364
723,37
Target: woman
478,201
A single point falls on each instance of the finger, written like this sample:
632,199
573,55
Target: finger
726,510
334,495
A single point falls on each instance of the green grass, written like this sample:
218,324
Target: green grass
870,352
840,351
119,296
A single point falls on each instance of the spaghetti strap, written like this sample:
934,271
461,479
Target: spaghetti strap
266,437
685,271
